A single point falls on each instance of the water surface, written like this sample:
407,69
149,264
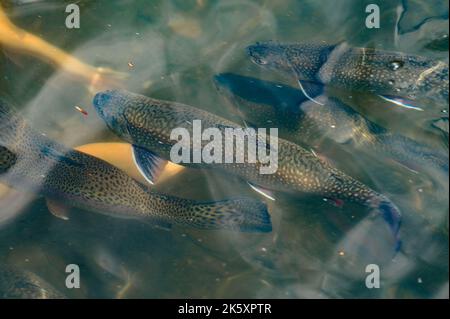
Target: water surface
171,50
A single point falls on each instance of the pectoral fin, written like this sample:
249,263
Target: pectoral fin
405,103
58,209
149,164
265,192
306,94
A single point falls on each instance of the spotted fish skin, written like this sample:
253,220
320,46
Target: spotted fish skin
7,159
148,123
308,123
21,284
47,168
360,69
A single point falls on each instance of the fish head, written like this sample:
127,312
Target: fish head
255,95
111,105
228,83
242,90
270,55
248,88
251,98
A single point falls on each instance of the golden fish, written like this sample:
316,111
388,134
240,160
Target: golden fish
17,39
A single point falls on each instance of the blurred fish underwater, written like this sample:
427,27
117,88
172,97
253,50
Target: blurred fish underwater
368,107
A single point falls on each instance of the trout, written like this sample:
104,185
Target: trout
396,77
147,123
260,102
76,179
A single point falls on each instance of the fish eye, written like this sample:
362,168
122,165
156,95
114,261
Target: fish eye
261,61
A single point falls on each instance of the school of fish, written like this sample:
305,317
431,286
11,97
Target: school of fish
67,176
147,123
33,163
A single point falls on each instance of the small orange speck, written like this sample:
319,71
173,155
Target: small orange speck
81,110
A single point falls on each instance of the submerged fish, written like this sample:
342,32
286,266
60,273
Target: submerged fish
147,123
76,179
21,284
15,38
308,122
397,77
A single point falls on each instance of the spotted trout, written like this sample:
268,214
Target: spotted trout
262,102
76,179
396,77
147,123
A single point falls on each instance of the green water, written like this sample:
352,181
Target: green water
315,250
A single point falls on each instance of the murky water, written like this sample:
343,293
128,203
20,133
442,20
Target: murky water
171,50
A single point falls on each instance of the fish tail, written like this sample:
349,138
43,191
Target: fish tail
378,204
241,214
381,205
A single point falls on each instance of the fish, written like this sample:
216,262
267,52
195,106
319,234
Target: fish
396,77
308,123
18,283
72,178
19,40
147,123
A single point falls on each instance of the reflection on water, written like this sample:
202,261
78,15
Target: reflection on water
171,50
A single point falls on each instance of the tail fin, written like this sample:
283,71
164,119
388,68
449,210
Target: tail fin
241,214
391,214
